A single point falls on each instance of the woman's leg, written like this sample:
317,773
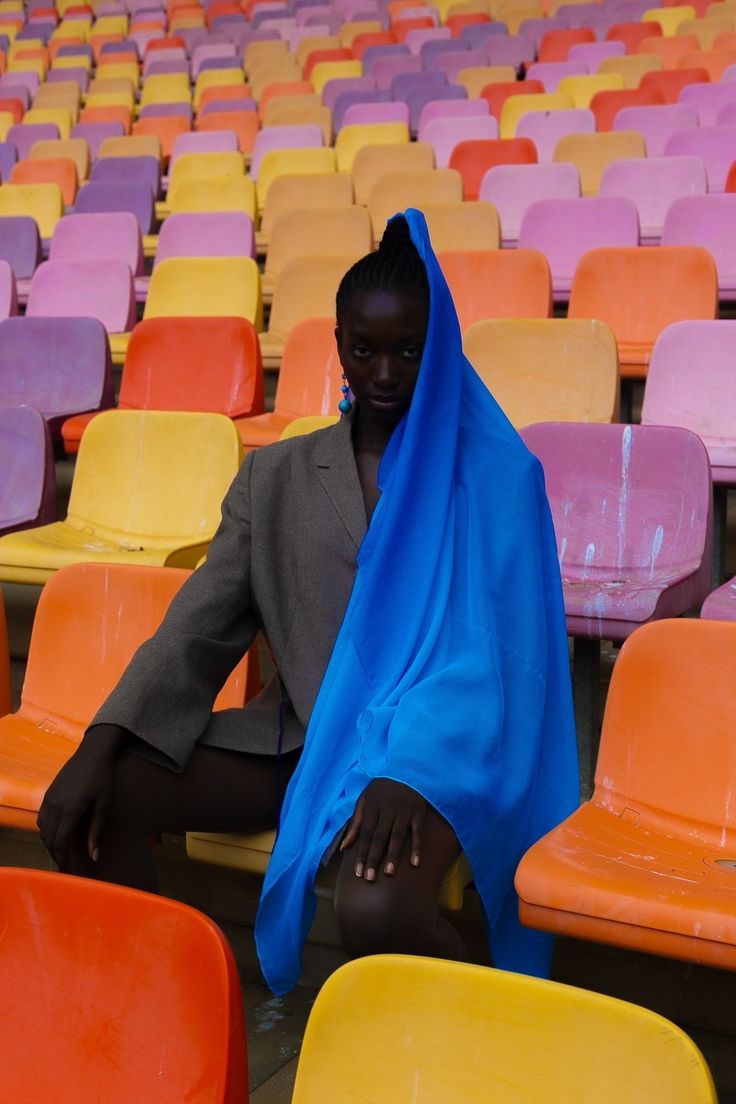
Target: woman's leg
218,791
398,913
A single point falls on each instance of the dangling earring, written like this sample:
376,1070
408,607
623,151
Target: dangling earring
345,405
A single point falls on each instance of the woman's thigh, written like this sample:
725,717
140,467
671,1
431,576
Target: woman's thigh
217,791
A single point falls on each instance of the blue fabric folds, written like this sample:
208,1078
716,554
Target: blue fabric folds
450,672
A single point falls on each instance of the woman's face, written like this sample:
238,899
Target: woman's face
380,341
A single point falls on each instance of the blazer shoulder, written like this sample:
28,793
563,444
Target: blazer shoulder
308,450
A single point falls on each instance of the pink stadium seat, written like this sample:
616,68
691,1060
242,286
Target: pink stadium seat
545,128
550,73
205,141
715,145
206,234
111,234
709,100
720,605
388,112
512,189
656,123
593,53
305,135
24,135
565,229
710,221
95,289
451,109
654,183
443,134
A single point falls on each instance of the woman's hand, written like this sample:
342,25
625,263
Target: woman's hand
385,812
82,786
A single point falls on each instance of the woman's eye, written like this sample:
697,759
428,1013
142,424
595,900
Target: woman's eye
361,352
412,352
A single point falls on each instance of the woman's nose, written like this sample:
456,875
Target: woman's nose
385,371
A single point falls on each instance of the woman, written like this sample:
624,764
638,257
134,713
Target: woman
402,566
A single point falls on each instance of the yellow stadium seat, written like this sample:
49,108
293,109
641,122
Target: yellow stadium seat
476,77
28,65
325,71
305,288
75,148
119,70
632,67
131,145
314,192
314,42
398,190
147,489
203,166
212,78
73,61
166,88
669,19
547,370
206,286
300,232
60,116
373,162
592,152
582,89
512,1038
301,426
112,97
257,51
42,202
110,25
291,162
229,193
7,120
466,225
517,106
354,137
280,68
280,113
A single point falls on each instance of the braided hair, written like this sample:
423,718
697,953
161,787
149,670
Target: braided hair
395,266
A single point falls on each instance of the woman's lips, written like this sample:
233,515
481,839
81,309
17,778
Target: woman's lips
385,402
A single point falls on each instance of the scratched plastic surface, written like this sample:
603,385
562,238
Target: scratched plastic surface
649,863
113,609
450,1033
114,995
632,512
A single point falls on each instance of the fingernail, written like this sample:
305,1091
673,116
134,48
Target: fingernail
359,870
389,868
370,875
95,854
415,860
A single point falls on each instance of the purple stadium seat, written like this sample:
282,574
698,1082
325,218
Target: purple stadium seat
333,89
77,74
432,43
418,100
84,289
653,183
390,111
8,157
206,52
385,70
118,195
96,133
303,136
444,133
346,100
716,146
166,110
657,123
512,189
24,78
59,366
20,247
516,50
477,34
24,135
113,234
8,90
376,53
565,229
163,67
28,486
453,62
8,291
537,28
545,128
618,496
143,168
708,100
710,221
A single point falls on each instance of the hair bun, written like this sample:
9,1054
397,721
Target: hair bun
396,234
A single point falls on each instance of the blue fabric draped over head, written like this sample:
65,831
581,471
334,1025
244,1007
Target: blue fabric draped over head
450,671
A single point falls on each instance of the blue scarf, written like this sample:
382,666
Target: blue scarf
450,671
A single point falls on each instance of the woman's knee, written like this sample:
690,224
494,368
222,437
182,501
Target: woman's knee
378,918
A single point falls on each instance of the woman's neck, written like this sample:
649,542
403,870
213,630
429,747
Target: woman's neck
370,435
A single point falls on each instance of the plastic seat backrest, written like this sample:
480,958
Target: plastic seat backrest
230,193
513,188
114,234
134,196
654,183
42,202
712,145
708,221
566,1042
214,141
373,162
443,134
352,138
313,192
592,152
656,123
285,162
58,366
302,232
146,168
20,244
515,108
546,128
205,166
101,289
28,486
462,225
60,929
473,158
640,291
395,191
297,136
670,82
206,234
306,288
532,368
207,286
310,374
165,128
193,364
154,478
498,283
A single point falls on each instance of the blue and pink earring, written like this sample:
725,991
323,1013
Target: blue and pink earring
345,405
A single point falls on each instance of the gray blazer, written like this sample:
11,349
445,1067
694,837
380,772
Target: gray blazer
283,561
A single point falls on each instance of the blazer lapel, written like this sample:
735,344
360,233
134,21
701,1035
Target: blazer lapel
337,471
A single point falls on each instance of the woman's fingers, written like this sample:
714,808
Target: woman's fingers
417,827
96,824
367,828
353,828
395,844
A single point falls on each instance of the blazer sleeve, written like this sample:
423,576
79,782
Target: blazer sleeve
166,694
